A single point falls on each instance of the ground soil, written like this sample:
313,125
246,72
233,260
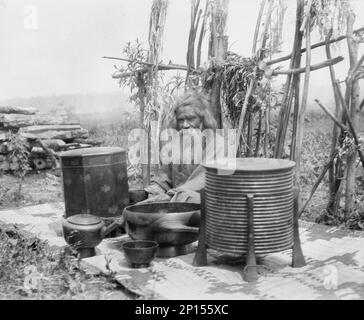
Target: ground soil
37,188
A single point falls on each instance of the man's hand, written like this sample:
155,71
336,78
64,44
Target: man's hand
155,194
154,189
184,196
156,198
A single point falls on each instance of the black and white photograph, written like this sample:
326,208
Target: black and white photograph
169,153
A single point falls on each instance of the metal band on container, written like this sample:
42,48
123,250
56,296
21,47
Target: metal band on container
96,161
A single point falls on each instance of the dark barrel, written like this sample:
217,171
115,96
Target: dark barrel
95,181
226,205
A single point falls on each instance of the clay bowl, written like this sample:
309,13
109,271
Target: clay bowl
140,253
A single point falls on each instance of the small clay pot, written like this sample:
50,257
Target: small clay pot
140,253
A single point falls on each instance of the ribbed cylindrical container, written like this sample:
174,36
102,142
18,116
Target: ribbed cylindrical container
228,183
95,181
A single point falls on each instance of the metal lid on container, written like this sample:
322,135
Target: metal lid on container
84,219
90,152
249,164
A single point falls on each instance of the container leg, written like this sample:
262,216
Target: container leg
298,260
250,272
200,258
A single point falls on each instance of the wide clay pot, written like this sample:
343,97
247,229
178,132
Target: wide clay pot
167,223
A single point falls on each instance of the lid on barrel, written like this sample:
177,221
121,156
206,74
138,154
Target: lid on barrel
84,219
249,164
89,152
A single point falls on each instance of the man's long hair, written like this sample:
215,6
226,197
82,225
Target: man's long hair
201,105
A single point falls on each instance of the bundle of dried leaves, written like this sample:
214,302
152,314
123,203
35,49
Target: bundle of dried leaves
234,75
31,269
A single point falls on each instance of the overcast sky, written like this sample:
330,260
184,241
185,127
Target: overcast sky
58,50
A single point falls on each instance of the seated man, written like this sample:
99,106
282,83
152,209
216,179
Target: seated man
183,181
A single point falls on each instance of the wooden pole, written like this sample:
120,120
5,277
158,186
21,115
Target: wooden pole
316,45
283,124
202,34
257,26
302,111
317,183
266,130
170,66
259,133
290,84
141,97
352,73
352,95
220,45
200,258
163,67
242,114
250,272
333,178
306,19
298,260
333,118
351,124
195,18
266,28
338,196
295,118
249,137
314,67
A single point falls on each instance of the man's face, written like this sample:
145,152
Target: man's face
188,119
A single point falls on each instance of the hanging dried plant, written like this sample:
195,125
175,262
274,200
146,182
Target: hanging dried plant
270,22
235,75
329,15
275,31
135,53
221,16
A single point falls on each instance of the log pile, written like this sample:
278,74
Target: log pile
45,135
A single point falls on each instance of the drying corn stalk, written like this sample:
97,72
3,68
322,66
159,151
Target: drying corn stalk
218,45
196,13
153,107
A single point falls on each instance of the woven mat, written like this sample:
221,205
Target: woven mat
334,270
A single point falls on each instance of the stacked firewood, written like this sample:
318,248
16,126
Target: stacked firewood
45,136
